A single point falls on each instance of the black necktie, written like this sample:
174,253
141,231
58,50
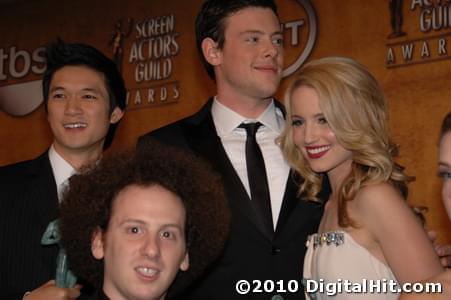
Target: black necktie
256,174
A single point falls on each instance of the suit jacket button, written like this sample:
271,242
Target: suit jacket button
276,297
275,250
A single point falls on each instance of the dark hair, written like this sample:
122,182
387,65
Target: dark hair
60,54
87,205
446,125
210,22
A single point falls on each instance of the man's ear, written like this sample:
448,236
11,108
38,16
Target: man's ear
184,265
97,244
211,51
116,115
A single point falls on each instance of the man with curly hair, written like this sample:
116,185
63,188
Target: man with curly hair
137,222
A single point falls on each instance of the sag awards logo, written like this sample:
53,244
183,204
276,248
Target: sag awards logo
151,59
428,42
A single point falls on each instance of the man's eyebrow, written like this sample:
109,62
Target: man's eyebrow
255,31
251,31
138,221
132,221
89,89
56,88
86,89
170,225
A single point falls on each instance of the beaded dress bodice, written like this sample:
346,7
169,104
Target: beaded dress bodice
335,256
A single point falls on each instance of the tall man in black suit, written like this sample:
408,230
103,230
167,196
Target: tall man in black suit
241,45
84,96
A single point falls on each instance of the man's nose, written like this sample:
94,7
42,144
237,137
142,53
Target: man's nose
151,247
73,105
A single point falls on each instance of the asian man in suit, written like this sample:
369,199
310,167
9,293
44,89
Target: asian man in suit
240,42
84,96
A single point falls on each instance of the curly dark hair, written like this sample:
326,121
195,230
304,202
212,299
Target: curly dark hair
87,205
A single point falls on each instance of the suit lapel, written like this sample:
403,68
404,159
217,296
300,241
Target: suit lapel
203,139
289,202
41,207
43,187
297,210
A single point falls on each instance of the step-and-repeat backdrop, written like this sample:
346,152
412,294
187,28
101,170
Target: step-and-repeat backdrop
403,43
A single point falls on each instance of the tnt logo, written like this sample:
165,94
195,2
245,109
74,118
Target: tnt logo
299,26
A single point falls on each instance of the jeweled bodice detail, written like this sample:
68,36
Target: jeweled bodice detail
327,238
335,256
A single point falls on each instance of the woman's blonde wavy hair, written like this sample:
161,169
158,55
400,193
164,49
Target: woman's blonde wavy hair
355,109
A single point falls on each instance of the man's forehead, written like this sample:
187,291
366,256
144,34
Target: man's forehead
254,10
75,70
152,197
70,78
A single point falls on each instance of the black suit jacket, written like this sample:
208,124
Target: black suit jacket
28,202
249,253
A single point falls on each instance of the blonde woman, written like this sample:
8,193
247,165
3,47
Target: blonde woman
337,127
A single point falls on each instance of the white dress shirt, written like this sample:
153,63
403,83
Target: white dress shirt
62,170
233,139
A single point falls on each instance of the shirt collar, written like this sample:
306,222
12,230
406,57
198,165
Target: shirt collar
226,120
62,170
